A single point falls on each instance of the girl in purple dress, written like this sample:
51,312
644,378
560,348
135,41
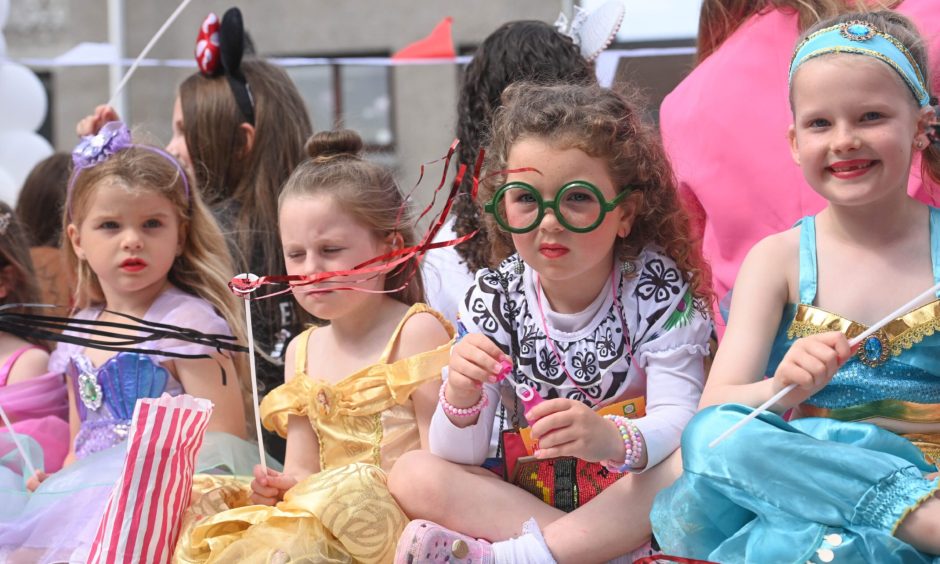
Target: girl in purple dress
144,247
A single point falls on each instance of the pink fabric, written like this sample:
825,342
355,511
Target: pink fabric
38,407
725,129
11,360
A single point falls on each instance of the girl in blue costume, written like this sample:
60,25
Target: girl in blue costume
143,244
852,476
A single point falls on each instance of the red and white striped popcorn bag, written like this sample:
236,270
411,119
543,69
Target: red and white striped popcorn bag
142,519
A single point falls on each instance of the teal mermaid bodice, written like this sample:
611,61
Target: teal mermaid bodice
895,373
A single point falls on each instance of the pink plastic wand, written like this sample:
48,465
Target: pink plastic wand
526,394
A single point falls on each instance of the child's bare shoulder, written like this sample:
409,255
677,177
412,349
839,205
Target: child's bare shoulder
777,249
290,355
425,326
421,332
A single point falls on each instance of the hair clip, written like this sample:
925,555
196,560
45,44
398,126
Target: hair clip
595,31
93,149
5,219
113,137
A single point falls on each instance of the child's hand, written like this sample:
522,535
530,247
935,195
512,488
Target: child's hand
810,364
474,360
565,427
90,125
33,482
268,489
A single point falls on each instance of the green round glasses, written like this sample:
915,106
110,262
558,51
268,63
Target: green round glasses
579,206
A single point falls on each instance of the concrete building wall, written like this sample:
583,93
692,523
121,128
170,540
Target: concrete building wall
423,97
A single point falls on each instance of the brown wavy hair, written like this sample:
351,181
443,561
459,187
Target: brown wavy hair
718,19
903,29
205,266
365,190
247,183
605,125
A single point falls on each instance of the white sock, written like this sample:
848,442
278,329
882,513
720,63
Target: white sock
528,548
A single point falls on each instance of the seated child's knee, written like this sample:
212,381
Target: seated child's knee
708,424
413,475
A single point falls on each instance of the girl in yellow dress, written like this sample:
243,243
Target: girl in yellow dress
358,392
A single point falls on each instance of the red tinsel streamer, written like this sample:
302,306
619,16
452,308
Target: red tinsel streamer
383,264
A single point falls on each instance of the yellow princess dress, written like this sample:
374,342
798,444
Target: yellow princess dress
344,513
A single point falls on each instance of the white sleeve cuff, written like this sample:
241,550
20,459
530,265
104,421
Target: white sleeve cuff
464,445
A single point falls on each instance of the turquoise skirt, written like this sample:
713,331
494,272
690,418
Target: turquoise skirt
812,490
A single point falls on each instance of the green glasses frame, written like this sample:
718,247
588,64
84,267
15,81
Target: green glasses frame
490,207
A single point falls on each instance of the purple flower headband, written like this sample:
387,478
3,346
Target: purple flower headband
112,138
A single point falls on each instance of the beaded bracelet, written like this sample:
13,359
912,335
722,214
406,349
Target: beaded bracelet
632,445
451,409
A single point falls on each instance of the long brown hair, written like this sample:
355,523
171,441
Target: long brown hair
227,173
903,29
16,265
605,125
39,205
205,266
365,190
718,19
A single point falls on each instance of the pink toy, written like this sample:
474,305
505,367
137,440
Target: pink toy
525,392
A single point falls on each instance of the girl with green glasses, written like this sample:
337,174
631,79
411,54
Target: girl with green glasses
596,303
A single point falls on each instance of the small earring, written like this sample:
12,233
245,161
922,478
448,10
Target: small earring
519,267
627,267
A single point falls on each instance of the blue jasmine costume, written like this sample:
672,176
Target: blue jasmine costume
823,487
820,488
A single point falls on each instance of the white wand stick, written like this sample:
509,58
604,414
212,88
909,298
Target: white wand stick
16,441
853,343
251,279
153,41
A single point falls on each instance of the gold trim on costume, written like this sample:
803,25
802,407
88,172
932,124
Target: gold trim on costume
898,335
886,409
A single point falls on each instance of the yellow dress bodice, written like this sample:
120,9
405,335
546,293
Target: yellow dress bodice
367,416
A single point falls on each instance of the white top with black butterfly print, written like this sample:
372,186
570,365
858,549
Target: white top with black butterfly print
668,335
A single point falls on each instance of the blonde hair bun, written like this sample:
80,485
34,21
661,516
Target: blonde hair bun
338,143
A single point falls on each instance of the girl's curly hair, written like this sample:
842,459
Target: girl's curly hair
520,50
606,125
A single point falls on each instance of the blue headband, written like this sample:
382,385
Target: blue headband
861,38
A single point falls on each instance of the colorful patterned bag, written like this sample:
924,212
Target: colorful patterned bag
565,483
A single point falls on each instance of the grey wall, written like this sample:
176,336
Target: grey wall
424,97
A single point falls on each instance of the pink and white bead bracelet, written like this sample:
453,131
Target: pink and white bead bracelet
632,445
451,409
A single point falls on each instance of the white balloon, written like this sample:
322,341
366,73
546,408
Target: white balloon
22,98
9,190
4,12
20,151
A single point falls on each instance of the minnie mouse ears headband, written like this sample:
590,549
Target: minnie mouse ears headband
220,47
